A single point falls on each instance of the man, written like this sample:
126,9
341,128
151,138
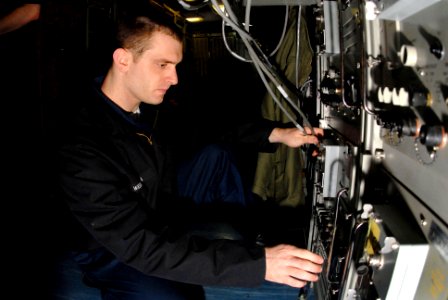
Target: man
142,241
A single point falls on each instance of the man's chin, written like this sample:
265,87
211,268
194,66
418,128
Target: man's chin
155,101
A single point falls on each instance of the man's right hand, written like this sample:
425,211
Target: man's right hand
287,264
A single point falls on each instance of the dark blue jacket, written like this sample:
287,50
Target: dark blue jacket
117,180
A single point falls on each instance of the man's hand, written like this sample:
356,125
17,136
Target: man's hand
287,264
293,137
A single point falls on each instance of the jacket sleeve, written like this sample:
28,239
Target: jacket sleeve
254,133
102,197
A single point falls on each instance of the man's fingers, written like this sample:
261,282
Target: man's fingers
308,255
317,131
303,275
294,282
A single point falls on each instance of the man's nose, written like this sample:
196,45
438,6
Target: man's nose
172,78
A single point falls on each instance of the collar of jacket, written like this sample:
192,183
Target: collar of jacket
141,123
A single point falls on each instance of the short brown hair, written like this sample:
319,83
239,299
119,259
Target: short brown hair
133,31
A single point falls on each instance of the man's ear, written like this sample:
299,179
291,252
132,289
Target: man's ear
122,58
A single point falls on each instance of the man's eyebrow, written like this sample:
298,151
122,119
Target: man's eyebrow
166,61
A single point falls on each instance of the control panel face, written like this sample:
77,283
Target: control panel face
380,185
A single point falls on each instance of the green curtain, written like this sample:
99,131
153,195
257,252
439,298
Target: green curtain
279,176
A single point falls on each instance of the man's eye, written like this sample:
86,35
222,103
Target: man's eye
163,65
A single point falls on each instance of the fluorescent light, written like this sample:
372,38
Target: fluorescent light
194,19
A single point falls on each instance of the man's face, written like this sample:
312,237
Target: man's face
154,71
